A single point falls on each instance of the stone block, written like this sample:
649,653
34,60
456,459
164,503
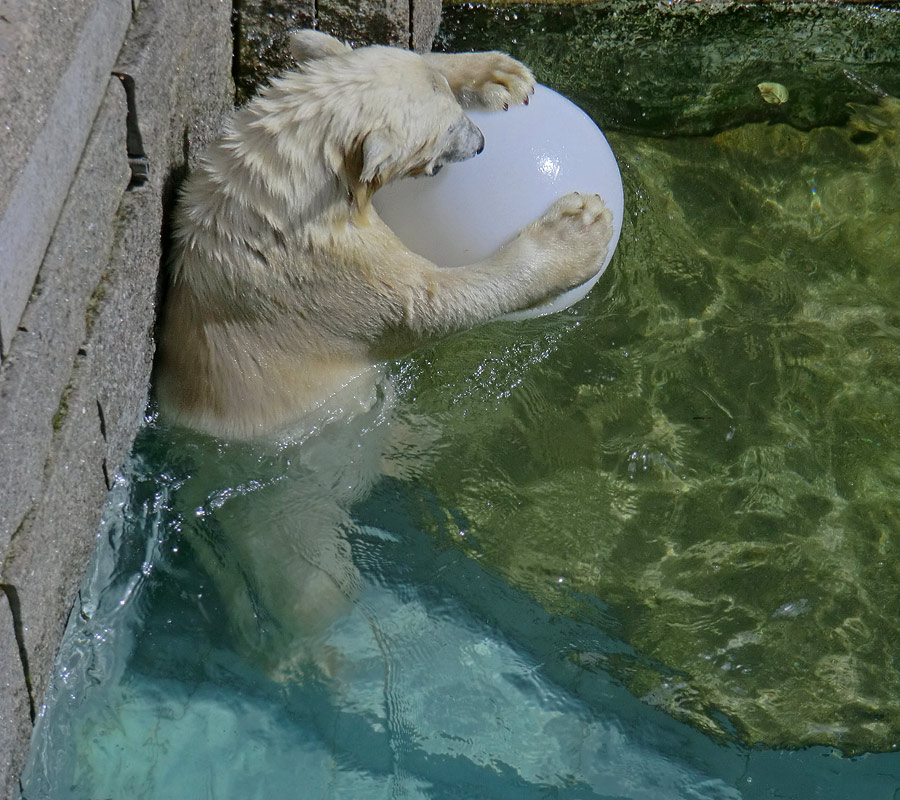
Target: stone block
74,385
46,559
179,55
181,89
51,455
426,17
54,65
366,21
15,710
260,45
262,26
35,376
121,346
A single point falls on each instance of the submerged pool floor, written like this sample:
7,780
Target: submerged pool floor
645,548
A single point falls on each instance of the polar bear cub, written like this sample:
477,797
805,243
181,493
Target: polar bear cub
285,284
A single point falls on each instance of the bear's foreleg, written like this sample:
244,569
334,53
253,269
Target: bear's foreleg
559,250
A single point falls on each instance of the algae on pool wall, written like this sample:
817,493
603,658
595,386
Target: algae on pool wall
703,455
690,67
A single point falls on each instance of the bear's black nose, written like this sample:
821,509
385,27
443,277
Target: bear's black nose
465,140
480,139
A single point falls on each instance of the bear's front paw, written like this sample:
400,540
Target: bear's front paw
485,81
575,233
502,82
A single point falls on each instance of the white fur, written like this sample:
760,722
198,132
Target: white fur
285,283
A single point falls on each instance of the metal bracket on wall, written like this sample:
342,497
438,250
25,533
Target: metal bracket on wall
15,610
134,143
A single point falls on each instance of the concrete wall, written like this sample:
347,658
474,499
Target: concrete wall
103,104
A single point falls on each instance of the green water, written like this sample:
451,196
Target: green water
708,445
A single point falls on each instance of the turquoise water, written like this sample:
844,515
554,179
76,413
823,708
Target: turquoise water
445,682
645,548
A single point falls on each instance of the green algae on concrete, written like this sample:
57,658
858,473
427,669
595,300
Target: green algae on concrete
703,455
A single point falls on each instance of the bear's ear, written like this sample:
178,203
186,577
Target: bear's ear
308,45
379,154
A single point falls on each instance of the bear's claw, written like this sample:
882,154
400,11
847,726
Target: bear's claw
510,83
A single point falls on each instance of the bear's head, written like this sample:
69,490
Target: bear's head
388,113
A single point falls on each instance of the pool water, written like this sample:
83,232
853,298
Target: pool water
445,682
709,444
644,548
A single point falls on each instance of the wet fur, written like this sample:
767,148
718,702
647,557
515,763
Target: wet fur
285,284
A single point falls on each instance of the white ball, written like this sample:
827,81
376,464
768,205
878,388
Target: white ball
532,155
